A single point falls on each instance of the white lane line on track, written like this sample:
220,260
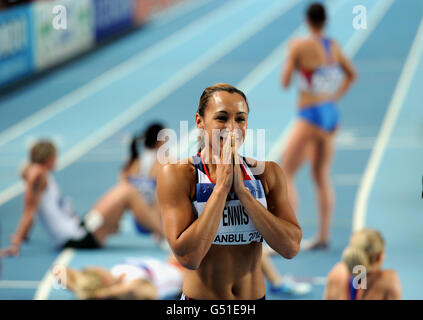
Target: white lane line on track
186,74
11,192
175,11
397,101
18,284
119,71
47,282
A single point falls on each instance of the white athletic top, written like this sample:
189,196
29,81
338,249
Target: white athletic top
147,160
57,215
164,276
236,227
143,182
326,78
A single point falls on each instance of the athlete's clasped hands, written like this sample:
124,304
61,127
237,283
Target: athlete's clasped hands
228,170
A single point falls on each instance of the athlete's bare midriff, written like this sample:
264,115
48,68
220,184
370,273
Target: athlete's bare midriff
306,99
227,272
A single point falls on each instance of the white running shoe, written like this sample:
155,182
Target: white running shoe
290,286
313,244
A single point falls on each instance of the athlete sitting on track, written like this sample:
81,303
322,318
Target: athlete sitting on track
141,171
44,200
365,250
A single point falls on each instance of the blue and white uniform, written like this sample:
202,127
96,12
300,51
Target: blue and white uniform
236,227
164,276
325,79
352,292
143,182
57,215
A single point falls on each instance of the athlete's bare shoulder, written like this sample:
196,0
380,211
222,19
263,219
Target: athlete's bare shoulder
298,42
390,279
339,272
183,168
296,45
180,174
257,167
266,171
336,49
36,175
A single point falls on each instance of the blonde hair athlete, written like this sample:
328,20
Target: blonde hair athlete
366,249
139,278
43,199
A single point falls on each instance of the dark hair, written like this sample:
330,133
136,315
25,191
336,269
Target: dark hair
204,99
208,92
316,15
148,137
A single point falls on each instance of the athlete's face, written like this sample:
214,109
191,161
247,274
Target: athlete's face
225,112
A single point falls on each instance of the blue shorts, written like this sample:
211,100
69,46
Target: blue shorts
325,116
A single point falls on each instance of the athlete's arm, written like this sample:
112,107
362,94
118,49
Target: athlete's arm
137,289
349,72
36,183
189,238
290,64
277,224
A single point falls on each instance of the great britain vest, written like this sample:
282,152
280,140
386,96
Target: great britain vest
236,227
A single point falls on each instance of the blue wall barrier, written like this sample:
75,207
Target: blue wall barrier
16,44
29,41
112,17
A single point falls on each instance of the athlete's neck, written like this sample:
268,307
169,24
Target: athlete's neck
207,158
317,33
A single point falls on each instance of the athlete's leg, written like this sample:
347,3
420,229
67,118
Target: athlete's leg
269,270
321,162
279,284
147,215
295,153
113,204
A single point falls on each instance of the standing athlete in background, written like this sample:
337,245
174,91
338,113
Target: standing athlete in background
320,64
